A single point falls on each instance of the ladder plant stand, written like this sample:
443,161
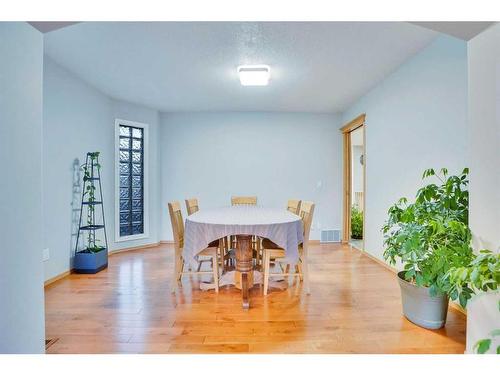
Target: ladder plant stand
90,256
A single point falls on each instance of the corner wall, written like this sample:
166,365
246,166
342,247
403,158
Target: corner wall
415,119
22,325
77,119
484,159
484,137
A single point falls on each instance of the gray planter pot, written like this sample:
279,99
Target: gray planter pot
420,308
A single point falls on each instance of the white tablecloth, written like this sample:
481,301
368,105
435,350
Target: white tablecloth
279,225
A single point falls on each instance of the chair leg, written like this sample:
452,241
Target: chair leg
259,253
177,270
181,268
287,274
215,267
220,252
299,271
267,262
305,273
174,278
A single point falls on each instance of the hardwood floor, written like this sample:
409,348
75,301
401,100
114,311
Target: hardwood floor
354,307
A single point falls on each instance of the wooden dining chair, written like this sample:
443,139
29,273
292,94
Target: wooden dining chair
174,209
224,257
274,252
243,201
293,206
192,206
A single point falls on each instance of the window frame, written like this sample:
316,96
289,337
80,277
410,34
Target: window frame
145,145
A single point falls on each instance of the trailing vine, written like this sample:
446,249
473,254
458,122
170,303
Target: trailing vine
89,195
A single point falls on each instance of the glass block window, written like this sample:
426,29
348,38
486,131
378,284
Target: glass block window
131,180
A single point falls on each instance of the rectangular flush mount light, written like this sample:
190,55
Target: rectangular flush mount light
254,75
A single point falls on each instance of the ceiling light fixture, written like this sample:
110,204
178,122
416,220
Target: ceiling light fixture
254,75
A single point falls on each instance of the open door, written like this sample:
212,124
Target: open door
354,162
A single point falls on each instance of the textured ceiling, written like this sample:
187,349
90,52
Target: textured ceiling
47,26
191,66
463,30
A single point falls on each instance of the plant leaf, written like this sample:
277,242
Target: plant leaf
463,300
482,346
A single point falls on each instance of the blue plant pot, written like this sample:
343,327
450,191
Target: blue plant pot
90,262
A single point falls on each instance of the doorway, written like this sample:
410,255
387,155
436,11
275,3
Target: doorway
354,164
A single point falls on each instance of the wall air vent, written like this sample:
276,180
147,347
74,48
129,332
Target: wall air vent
330,235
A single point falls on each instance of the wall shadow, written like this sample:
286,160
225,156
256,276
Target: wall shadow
76,196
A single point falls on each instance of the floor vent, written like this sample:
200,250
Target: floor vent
330,235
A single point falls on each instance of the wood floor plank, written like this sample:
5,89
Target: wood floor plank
354,307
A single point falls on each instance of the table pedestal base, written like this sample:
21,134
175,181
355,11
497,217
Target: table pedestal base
232,278
244,277
238,276
244,265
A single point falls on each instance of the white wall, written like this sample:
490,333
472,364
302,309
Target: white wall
484,137
415,119
77,119
484,159
275,156
22,326
357,170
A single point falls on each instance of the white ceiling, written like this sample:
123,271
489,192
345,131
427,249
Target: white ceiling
463,30
191,66
48,26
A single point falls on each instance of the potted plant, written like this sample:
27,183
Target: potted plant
93,257
356,223
430,237
480,277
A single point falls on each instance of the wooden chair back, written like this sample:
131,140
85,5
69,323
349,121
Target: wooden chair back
293,206
238,201
192,206
306,214
174,209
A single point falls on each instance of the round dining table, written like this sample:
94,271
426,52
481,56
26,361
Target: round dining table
244,221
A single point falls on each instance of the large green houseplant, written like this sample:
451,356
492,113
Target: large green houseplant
430,236
480,276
